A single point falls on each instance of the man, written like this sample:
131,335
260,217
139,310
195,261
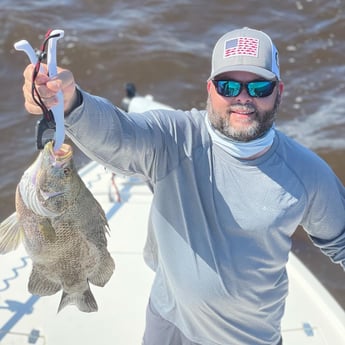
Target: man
229,192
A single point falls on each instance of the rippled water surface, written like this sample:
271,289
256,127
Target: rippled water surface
164,47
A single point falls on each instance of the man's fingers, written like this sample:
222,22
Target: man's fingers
63,81
47,88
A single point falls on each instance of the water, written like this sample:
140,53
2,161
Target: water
164,47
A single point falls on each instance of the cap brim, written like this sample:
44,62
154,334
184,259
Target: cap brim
262,72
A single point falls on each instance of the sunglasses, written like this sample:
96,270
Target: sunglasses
256,88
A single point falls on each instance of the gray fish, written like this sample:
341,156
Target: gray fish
63,229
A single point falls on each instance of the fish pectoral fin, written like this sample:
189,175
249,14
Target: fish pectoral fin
11,234
85,301
47,230
40,285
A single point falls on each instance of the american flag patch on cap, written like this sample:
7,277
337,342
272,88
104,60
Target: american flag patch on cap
241,46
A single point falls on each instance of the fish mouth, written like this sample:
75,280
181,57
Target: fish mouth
60,156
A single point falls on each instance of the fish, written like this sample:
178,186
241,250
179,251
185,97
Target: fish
63,229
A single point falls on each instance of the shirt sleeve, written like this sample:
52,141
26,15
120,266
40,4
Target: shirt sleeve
149,144
325,217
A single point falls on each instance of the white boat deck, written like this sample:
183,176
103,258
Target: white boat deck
312,316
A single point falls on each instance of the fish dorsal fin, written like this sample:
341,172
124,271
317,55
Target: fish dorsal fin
11,234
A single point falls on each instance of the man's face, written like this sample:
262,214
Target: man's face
242,118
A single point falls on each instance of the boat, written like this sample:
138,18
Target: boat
312,315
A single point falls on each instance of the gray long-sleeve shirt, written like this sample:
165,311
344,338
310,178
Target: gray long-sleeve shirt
220,228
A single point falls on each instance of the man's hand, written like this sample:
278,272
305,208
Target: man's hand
48,88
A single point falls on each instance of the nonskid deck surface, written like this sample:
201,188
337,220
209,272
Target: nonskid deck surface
312,316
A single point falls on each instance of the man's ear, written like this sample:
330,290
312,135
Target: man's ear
280,88
208,85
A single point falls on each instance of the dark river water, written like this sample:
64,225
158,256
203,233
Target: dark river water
164,47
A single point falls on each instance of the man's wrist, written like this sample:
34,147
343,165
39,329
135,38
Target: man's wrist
78,100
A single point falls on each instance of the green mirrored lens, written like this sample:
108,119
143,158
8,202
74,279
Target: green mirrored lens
260,88
228,88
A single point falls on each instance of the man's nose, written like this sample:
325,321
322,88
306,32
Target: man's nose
243,96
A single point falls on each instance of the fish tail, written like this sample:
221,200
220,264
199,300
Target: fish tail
11,234
85,301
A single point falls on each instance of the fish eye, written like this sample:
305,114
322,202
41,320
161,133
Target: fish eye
66,171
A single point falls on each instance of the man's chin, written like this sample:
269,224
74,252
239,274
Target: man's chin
243,130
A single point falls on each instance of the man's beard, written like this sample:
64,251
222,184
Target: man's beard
262,121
